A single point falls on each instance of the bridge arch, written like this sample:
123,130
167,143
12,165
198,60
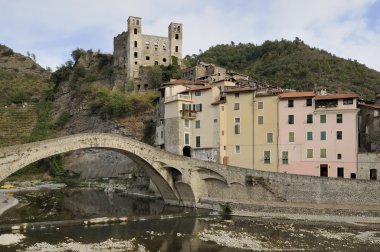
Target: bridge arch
14,158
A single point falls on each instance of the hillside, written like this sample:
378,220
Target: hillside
23,88
293,64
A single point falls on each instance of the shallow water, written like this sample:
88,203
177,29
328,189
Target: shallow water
152,226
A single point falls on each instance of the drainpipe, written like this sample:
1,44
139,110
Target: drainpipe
278,134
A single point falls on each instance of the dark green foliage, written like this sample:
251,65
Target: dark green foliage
173,71
293,65
155,76
77,53
62,73
103,60
79,72
149,131
20,96
226,208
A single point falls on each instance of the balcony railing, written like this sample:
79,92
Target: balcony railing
178,97
188,114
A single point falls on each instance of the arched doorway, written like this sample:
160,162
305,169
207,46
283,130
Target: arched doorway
186,151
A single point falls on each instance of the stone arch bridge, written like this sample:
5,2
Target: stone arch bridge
196,183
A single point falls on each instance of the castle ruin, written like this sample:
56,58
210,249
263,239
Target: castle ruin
133,50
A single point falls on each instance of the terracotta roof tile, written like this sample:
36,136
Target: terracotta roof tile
374,106
184,82
195,89
335,96
296,95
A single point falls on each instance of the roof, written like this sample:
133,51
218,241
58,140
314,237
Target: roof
373,106
296,95
335,96
240,89
195,89
184,82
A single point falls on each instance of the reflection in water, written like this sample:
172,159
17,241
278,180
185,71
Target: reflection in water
158,232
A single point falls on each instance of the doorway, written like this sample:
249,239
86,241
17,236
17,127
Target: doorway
324,170
186,151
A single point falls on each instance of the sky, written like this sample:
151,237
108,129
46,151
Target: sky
52,29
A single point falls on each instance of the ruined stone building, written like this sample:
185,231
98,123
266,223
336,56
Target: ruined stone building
211,73
133,50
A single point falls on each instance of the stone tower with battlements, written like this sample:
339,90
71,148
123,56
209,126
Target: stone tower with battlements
132,49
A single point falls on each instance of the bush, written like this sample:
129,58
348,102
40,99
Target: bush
62,74
62,119
19,96
76,54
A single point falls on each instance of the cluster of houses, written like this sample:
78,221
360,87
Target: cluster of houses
220,116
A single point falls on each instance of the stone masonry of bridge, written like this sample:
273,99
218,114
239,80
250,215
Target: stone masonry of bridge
191,182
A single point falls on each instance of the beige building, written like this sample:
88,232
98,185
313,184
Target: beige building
132,49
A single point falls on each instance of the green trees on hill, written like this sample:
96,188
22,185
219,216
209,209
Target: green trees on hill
293,64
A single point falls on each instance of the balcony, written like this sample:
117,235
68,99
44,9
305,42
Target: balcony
188,114
178,97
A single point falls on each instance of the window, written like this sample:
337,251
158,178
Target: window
147,43
135,62
339,135
236,106
176,36
309,153
348,101
215,120
222,132
147,58
197,124
137,22
164,59
222,108
176,49
309,118
339,118
162,134
285,157
156,63
187,138
322,118
260,105
373,174
224,148
339,156
291,119
237,95
198,107
135,43
291,137
135,31
237,148
340,172
260,119
186,123
309,136
323,135
323,153
198,93
197,141
136,54
266,157
237,126
309,102
290,103
269,137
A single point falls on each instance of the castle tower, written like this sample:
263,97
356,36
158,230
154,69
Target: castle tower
134,46
175,41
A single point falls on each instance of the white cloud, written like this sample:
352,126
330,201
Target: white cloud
52,29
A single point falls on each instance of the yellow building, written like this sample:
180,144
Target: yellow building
236,127
265,131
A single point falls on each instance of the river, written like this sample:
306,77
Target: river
56,222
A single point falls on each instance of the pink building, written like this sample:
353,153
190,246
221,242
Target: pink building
318,134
